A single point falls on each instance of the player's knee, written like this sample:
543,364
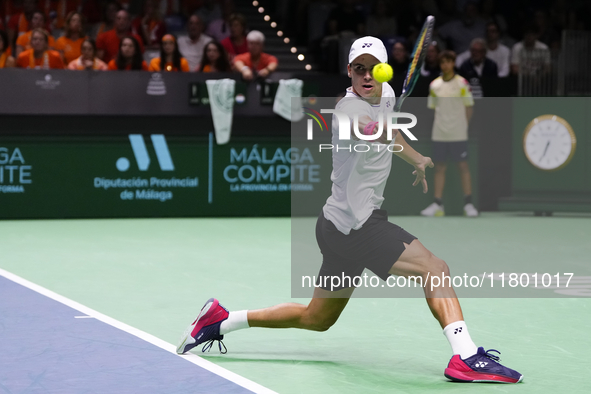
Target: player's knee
436,266
320,323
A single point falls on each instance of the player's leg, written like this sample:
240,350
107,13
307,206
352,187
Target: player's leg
469,363
418,261
439,179
215,321
319,315
460,155
439,157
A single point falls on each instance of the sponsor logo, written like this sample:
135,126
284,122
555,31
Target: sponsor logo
258,169
149,188
48,82
481,364
14,172
156,85
141,153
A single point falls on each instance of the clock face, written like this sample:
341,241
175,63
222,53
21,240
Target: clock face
549,142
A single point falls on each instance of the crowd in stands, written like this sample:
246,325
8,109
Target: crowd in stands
107,35
489,37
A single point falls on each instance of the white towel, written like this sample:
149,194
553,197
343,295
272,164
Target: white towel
282,106
221,100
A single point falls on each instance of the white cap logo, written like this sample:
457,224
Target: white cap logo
368,45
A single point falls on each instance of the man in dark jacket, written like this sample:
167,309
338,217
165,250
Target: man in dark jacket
478,66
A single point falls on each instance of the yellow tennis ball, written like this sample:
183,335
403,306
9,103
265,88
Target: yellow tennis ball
382,72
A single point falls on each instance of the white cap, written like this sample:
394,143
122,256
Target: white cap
368,45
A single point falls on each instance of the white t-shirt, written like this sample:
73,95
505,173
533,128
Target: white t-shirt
358,178
449,99
530,61
193,51
501,56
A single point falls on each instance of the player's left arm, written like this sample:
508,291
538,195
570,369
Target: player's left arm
415,159
466,93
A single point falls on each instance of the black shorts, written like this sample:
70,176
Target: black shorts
449,151
377,245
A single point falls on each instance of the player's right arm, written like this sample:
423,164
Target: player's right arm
415,159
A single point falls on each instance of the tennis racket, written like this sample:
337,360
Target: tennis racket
418,57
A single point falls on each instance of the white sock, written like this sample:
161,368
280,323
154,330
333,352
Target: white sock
459,339
236,321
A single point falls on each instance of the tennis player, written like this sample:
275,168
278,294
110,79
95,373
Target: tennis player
353,233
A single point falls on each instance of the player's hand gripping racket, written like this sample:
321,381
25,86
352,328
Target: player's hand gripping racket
418,57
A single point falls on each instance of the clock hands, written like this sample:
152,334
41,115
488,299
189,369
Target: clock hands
545,150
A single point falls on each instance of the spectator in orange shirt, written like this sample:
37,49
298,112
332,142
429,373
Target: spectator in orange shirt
23,42
170,55
129,56
40,56
110,10
58,10
215,59
108,43
69,45
236,44
88,59
19,23
6,60
255,63
150,26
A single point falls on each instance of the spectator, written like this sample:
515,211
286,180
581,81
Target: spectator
496,51
69,45
236,44
215,59
150,26
109,15
450,97
170,56
88,59
459,33
209,11
219,29
40,56
108,43
430,69
191,46
6,61
346,18
546,33
58,11
24,40
400,57
255,62
129,56
400,61
490,14
530,56
478,66
381,22
19,23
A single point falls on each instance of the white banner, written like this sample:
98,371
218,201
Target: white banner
287,89
221,100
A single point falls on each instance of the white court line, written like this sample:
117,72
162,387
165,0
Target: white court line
83,317
195,359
